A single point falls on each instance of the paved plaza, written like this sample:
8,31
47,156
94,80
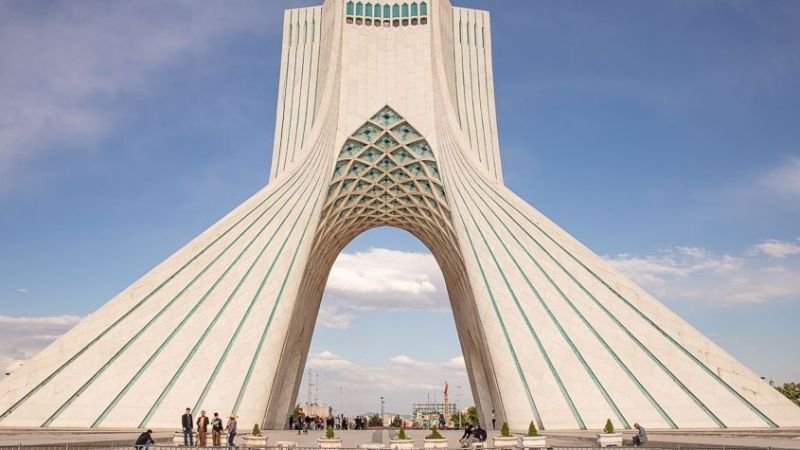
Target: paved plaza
782,439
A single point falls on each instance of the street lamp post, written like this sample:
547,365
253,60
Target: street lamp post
458,401
382,411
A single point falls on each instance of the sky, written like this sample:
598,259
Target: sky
664,135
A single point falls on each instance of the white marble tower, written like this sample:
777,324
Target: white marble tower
386,116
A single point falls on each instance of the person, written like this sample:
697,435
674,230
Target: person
216,430
479,433
231,429
301,418
467,434
145,440
187,423
640,437
494,421
202,428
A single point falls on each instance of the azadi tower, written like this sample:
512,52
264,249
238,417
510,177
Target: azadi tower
386,117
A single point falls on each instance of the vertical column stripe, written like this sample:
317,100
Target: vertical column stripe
231,342
147,326
539,345
137,305
583,319
202,338
619,324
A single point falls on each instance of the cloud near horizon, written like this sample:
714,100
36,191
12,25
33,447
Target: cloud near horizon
22,337
381,279
403,379
768,271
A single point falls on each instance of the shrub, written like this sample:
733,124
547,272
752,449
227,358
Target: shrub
256,431
402,433
434,434
532,431
329,433
609,428
504,432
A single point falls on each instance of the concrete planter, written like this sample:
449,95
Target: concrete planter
335,443
526,442
372,446
609,440
504,442
401,444
435,443
251,441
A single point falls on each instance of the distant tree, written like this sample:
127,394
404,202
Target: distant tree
790,391
472,415
375,421
532,431
434,434
402,434
458,419
397,421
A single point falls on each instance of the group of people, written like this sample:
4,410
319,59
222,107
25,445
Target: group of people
303,422
473,434
203,423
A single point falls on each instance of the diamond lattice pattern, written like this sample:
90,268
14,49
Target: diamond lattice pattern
386,174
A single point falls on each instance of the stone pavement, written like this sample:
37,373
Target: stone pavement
778,439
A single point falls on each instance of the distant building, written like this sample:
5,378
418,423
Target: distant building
427,414
317,409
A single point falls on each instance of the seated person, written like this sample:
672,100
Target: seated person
641,437
479,433
145,440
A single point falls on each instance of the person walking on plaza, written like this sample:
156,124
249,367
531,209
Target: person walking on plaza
301,421
640,437
202,428
145,440
187,423
231,429
216,430
494,421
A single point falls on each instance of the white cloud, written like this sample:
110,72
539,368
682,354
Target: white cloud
403,360
23,337
696,274
381,279
22,290
402,380
456,363
778,249
785,179
68,69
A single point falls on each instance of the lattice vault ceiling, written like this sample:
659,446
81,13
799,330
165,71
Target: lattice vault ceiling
386,174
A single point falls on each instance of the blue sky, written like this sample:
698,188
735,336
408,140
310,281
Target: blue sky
664,135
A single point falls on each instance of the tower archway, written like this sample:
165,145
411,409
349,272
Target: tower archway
385,174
